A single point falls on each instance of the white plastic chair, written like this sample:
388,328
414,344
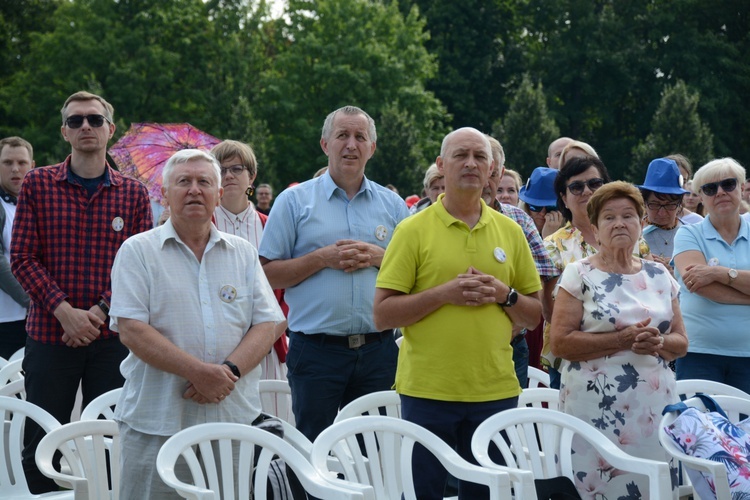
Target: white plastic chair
15,389
85,446
386,463
11,372
214,472
538,397
537,377
546,440
372,404
688,388
13,413
102,406
733,407
276,399
19,354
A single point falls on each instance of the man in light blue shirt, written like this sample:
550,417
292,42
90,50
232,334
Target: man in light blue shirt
323,243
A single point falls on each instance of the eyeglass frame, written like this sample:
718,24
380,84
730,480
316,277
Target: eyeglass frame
580,186
88,119
669,207
712,188
539,208
224,170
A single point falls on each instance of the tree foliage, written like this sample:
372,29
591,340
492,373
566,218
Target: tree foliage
527,128
676,128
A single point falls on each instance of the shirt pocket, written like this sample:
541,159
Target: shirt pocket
238,312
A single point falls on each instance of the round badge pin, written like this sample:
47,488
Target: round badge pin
118,224
713,261
499,254
228,293
381,232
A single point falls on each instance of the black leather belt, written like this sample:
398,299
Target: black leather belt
518,338
351,341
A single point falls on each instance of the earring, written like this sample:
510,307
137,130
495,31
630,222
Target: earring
249,191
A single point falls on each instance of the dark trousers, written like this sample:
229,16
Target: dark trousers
325,377
12,337
454,423
521,360
730,370
52,376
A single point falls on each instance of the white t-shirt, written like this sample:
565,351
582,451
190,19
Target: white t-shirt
10,310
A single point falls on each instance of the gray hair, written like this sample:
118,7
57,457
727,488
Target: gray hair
184,156
446,139
718,169
431,175
325,134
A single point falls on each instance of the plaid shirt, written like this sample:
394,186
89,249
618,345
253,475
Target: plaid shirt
544,265
64,243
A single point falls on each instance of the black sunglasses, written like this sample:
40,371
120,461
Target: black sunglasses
577,187
727,185
535,208
76,121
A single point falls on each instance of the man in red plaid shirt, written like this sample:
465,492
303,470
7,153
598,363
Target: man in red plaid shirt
70,221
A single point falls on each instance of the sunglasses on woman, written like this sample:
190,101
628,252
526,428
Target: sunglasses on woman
727,185
535,208
76,121
577,187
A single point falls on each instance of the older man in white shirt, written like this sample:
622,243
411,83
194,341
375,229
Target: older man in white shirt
197,313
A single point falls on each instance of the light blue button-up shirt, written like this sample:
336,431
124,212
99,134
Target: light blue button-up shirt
318,213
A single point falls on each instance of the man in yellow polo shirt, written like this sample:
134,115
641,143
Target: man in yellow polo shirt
456,277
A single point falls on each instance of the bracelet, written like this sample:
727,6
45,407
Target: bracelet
233,367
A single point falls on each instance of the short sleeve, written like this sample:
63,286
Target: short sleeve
572,280
279,232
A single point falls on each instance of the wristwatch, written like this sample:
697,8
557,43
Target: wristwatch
512,298
233,367
105,308
732,275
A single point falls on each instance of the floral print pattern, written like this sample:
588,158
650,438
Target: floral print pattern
623,394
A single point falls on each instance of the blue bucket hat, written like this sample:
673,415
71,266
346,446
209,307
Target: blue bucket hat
663,176
540,188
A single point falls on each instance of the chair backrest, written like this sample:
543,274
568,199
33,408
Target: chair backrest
385,457
102,406
540,397
537,378
540,441
688,388
11,372
15,389
92,451
222,456
276,399
19,354
13,414
376,403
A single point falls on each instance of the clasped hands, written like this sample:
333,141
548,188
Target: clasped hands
643,339
212,384
351,255
81,327
474,288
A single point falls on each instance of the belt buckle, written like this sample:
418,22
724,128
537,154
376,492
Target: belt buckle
356,341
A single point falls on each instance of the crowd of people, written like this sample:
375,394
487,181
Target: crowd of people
603,283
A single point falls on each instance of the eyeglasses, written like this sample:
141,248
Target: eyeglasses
535,208
235,169
727,185
577,187
669,207
76,121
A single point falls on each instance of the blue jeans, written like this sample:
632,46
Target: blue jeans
52,375
454,423
730,370
521,361
325,377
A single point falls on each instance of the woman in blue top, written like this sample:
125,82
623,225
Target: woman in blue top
712,260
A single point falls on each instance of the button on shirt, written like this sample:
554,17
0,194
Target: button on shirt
318,213
204,308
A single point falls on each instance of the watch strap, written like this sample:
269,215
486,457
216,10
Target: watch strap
103,306
233,367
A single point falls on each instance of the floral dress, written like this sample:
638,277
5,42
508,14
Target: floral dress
623,394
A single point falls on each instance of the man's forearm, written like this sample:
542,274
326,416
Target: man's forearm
254,346
290,272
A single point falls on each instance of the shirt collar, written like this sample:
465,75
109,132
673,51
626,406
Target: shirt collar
330,187
448,219
710,232
111,176
168,232
8,198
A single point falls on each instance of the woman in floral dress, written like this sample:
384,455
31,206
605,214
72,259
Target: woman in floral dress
616,324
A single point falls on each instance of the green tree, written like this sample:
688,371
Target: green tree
675,128
340,52
527,128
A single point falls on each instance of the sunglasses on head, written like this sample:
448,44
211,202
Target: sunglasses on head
76,121
539,208
727,185
577,187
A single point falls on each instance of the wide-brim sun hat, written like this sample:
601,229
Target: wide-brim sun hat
540,188
663,177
